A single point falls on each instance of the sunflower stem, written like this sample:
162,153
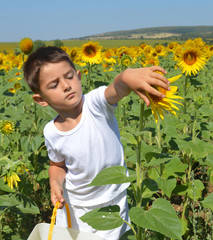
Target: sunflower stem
89,82
2,139
138,163
158,134
139,168
185,94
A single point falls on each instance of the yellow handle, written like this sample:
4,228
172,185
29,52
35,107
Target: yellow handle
54,216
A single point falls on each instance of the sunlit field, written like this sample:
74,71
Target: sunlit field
10,46
168,146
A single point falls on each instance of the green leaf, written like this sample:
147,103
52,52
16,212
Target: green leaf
208,161
208,202
167,185
5,187
103,218
112,175
149,187
160,218
181,189
43,174
128,138
156,159
36,142
195,189
174,167
22,203
184,225
170,131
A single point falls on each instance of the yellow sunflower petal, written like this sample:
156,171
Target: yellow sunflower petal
175,78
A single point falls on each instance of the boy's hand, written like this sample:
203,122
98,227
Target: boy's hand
142,80
139,80
57,172
57,195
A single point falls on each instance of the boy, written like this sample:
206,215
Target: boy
83,138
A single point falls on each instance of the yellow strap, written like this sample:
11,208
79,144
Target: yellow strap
68,216
54,216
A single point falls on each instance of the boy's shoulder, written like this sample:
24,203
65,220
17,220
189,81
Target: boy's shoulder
49,127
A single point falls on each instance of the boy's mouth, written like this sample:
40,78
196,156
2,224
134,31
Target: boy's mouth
70,95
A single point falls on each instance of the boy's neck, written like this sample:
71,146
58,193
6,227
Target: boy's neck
66,121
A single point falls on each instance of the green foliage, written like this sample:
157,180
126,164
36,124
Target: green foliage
161,217
58,43
104,218
37,44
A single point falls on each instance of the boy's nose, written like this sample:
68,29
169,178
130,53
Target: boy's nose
65,85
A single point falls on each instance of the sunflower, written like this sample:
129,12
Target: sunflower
150,61
172,46
160,50
73,54
12,90
12,179
7,127
17,86
191,60
121,51
107,66
91,52
158,105
126,61
26,45
191,57
143,45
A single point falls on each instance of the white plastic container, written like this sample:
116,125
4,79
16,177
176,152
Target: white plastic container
41,230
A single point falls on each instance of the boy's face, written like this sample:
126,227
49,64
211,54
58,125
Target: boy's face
60,87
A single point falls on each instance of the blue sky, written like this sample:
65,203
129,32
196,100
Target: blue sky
54,19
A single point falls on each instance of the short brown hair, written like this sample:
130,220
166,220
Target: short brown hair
40,58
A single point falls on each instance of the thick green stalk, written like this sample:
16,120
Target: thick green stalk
89,78
2,139
1,216
185,94
159,145
139,172
0,230
158,134
130,227
138,163
186,199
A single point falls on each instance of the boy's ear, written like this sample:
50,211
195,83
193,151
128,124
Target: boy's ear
79,75
39,99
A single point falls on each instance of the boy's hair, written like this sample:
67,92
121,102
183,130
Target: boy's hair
40,58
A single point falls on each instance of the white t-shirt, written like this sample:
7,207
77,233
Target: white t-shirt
93,145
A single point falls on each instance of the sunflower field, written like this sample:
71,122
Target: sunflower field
168,146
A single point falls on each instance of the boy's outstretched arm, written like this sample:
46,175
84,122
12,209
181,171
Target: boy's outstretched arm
139,80
57,172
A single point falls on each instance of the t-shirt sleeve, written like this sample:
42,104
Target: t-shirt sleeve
98,103
52,153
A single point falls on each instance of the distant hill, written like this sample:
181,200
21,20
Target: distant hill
176,33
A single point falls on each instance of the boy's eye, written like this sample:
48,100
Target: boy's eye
54,85
70,76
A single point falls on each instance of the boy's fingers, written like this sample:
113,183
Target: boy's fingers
62,203
149,89
160,77
143,97
157,68
162,84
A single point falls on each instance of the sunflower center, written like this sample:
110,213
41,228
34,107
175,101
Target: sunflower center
90,51
155,98
190,58
8,128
